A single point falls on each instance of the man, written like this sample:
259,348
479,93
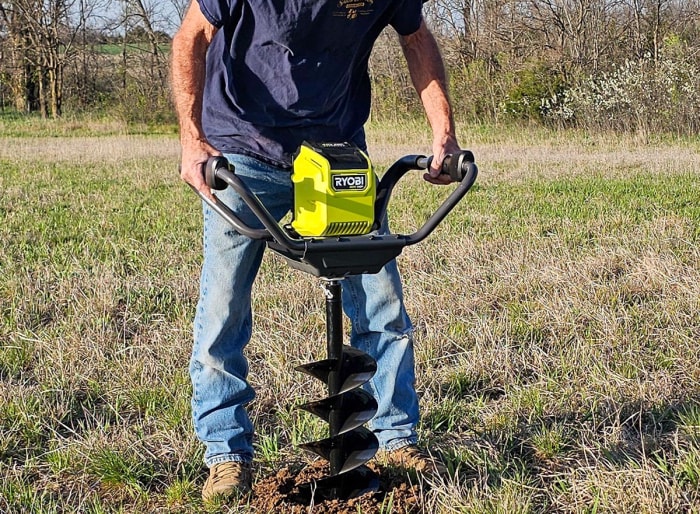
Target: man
251,80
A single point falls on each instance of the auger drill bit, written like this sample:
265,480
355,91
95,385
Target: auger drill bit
347,407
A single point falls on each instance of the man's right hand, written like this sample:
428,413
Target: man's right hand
195,154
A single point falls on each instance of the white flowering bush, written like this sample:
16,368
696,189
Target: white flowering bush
645,94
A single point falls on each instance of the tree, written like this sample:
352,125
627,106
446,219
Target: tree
41,39
18,69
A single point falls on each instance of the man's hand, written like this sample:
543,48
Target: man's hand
195,154
442,146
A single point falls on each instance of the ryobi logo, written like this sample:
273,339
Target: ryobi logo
349,182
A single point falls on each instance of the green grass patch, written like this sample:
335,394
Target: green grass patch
556,313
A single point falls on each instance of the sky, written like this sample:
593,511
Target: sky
165,14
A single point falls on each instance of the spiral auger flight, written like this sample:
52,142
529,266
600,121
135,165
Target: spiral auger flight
346,408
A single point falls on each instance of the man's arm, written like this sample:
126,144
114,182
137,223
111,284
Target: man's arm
188,72
428,75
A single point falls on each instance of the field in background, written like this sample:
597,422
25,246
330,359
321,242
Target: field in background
557,315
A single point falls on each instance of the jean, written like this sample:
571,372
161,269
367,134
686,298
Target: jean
223,325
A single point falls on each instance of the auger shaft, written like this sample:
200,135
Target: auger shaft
347,407
334,335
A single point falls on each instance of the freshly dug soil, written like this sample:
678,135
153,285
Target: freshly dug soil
279,493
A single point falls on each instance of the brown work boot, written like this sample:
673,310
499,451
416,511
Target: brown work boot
412,458
227,479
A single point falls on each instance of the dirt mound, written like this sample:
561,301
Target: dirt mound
279,493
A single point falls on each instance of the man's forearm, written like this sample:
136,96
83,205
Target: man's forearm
428,75
187,82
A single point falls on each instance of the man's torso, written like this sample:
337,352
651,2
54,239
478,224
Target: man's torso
279,72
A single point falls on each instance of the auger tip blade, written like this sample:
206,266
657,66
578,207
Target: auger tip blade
345,486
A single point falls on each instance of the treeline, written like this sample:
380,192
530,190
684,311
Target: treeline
76,55
629,65
601,64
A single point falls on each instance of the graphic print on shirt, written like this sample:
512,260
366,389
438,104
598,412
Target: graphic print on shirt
351,9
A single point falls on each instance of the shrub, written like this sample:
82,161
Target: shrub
645,94
533,86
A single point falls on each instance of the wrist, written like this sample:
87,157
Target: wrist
446,140
191,130
193,141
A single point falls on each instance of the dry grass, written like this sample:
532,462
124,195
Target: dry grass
557,316
90,150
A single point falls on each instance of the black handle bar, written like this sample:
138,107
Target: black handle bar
340,256
460,167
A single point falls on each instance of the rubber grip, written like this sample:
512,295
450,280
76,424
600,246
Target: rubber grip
457,165
210,173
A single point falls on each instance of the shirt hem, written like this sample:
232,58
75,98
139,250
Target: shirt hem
287,166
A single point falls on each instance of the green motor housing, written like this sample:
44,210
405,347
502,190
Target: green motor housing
334,190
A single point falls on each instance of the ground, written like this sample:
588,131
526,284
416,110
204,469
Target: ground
277,493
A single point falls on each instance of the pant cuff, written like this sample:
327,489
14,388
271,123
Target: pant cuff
397,444
218,459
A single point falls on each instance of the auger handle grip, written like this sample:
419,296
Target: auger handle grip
210,170
458,166
461,168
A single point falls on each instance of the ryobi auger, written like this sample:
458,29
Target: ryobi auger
338,207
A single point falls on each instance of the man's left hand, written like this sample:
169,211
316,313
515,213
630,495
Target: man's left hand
441,147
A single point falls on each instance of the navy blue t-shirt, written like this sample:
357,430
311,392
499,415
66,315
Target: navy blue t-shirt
282,71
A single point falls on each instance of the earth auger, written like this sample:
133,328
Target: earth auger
338,211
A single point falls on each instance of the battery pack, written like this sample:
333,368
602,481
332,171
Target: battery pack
334,190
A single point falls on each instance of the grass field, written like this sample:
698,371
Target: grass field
557,314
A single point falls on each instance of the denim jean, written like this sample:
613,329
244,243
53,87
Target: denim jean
223,326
